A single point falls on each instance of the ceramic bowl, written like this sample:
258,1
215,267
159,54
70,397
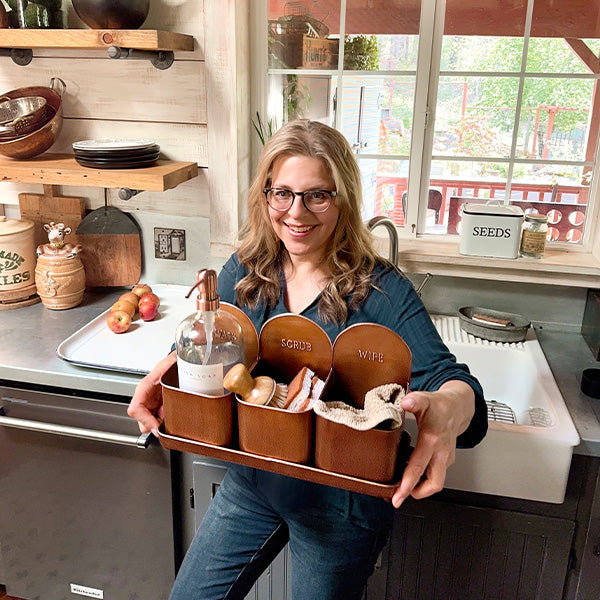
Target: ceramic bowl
112,14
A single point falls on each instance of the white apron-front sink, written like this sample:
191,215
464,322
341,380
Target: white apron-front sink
527,451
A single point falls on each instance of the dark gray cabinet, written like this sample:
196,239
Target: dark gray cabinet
445,551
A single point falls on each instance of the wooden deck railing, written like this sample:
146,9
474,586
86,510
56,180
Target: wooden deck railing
565,205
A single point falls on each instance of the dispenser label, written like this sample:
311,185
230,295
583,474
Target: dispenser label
201,379
83,590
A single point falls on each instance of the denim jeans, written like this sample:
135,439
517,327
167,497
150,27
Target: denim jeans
335,538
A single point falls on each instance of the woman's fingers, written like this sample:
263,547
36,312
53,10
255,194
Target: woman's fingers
146,404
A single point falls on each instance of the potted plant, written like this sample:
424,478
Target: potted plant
361,53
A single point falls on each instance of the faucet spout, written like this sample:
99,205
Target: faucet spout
392,231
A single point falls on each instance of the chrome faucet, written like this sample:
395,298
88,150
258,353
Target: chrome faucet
392,231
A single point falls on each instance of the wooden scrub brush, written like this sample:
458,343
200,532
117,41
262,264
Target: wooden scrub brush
255,390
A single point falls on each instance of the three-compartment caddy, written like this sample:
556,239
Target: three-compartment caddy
300,444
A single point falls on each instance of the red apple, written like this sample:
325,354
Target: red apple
131,297
148,310
140,289
124,304
118,321
149,296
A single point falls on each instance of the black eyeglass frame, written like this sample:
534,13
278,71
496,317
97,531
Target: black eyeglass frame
330,193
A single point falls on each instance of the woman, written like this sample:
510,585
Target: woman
305,250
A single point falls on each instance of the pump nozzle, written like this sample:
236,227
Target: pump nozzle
206,283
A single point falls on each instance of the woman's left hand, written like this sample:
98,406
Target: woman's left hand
441,417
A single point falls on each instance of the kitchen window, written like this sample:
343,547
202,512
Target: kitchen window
448,101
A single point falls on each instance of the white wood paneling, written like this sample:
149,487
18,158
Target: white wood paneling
121,90
227,84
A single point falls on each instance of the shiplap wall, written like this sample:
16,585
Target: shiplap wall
108,98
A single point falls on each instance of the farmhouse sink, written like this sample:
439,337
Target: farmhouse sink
527,451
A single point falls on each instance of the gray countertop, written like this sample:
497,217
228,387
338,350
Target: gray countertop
568,355
30,335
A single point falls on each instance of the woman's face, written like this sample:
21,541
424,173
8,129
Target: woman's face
305,235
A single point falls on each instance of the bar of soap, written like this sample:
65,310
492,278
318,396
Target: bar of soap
489,320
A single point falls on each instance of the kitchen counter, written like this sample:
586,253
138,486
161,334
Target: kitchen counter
568,355
29,337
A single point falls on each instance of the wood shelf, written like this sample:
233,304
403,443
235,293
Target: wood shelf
138,39
63,169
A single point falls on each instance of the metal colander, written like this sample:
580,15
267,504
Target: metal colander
20,116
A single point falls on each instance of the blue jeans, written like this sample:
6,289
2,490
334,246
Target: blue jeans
335,538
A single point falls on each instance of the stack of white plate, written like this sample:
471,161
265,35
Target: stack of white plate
116,154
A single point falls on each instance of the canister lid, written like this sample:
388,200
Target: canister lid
9,226
498,210
539,218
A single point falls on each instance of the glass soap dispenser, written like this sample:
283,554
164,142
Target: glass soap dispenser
208,342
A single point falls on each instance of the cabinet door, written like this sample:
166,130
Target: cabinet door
274,583
451,552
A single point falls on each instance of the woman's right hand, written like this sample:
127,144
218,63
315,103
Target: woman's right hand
146,406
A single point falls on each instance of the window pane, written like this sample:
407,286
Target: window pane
459,180
487,18
558,191
377,114
398,52
555,118
294,95
475,116
476,53
384,188
554,55
298,35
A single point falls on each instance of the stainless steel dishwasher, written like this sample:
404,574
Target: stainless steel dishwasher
86,504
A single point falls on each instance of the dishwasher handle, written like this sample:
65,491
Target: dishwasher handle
141,441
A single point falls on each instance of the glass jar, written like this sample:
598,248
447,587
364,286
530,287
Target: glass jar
533,239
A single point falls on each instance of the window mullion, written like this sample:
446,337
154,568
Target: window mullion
339,93
428,67
515,135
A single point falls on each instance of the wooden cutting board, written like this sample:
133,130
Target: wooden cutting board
112,254
46,207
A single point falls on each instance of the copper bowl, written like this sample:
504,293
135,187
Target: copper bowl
40,140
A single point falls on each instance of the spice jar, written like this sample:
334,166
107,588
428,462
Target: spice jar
533,239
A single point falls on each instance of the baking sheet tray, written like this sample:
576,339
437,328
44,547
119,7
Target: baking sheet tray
141,346
300,471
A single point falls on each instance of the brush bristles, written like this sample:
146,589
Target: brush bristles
280,396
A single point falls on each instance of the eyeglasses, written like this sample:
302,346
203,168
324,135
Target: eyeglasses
315,201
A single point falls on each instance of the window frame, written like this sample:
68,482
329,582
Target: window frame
420,252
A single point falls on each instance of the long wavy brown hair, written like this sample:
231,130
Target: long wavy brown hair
351,258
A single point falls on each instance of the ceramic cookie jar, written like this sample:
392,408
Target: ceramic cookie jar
59,274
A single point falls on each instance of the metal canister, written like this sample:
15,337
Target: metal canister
17,254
